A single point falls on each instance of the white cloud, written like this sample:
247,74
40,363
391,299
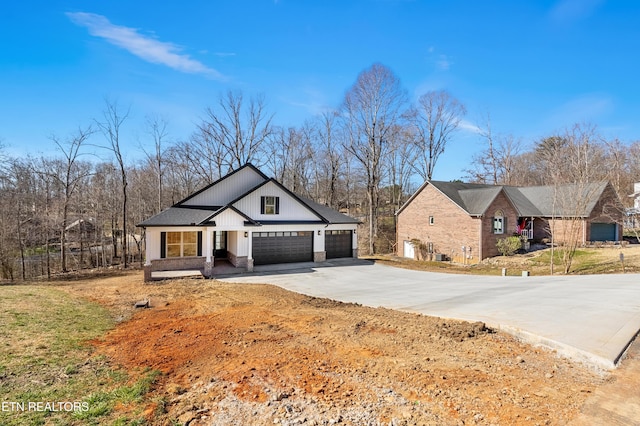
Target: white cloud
467,126
144,47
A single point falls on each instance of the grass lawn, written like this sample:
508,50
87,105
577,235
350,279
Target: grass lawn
45,360
603,260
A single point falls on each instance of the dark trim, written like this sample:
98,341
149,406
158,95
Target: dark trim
176,225
163,245
291,222
291,194
247,218
212,208
199,249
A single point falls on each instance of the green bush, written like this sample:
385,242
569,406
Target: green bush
509,246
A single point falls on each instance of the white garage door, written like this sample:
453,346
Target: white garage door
409,250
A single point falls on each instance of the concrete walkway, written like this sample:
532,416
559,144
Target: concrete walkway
591,319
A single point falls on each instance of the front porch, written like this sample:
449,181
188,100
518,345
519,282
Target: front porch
221,267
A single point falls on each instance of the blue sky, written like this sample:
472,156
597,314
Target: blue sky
536,67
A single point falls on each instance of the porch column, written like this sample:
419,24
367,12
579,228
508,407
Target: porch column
533,232
250,251
208,247
147,244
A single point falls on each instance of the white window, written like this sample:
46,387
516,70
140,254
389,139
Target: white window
180,244
270,205
498,222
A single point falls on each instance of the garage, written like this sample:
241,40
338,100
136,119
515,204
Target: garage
603,232
409,250
338,243
282,247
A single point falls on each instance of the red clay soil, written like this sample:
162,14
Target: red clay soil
257,354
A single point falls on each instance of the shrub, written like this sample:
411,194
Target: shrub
509,246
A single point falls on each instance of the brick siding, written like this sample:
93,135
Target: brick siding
178,263
489,241
452,227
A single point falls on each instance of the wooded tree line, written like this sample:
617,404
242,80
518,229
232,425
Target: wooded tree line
74,209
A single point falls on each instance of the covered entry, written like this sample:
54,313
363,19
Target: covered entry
282,247
338,243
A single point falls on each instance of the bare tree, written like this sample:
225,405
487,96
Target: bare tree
240,130
570,161
113,118
156,127
290,157
372,108
435,118
70,176
496,163
204,154
330,156
400,167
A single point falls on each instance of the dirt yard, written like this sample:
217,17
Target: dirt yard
256,354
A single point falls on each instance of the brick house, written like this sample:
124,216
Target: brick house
245,219
463,221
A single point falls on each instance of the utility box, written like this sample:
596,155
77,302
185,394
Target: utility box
440,257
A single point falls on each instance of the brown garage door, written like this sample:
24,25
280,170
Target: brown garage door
338,243
282,247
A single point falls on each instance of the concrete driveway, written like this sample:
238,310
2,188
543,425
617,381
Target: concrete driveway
588,318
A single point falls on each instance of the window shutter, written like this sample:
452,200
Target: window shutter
262,202
163,245
277,205
199,249
504,225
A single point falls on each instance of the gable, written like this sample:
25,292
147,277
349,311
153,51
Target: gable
227,218
502,203
237,199
290,208
227,189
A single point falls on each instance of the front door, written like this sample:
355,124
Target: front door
220,244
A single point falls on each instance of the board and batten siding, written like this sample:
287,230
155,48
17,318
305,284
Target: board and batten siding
227,190
290,208
228,220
